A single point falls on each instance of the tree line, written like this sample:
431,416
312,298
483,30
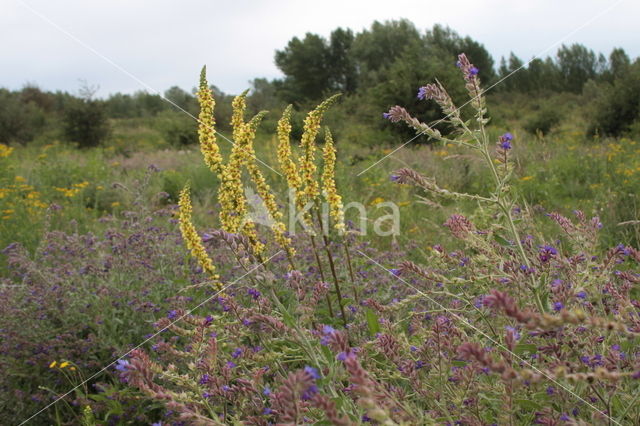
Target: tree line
375,68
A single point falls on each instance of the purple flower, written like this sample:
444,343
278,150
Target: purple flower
204,379
172,314
123,365
422,93
395,272
550,390
514,332
327,329
231,364
236,353
506,145
564,417
558,306
342,356
253,292
507,137
266,391
474,71
394,178
312,371
266,411
309,392
386,115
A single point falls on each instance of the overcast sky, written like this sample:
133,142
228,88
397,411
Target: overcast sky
165,42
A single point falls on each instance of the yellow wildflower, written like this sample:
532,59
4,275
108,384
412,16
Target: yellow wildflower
526,178
377,201
192,239
5,150
206,128
19,179
285,159
53,364
329,183
307,164
64,364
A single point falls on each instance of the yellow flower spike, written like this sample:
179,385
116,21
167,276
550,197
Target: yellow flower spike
53,364
192,239
64,364
329,183
206,127
307,143
239,105
285,159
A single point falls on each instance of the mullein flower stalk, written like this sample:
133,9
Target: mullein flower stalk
311,189
206,126
193,240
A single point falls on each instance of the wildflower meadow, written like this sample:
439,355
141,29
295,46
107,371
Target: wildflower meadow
287,276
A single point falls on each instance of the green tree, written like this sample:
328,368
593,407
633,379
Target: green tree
305,66
577,65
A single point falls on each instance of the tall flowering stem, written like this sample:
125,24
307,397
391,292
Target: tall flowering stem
206,126
308,168
475,139
193,240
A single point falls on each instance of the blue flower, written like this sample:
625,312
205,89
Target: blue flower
581,294
395,272
204,379
123,365
422,93
506,145
386,115
266,391
558,306
172,314
474,71
231,364
312,371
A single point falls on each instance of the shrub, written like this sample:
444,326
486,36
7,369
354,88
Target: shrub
85,122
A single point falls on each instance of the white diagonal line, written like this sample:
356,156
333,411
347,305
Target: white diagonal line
498,344
129,74
150,337
482,92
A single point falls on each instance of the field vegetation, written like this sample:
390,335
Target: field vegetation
490,277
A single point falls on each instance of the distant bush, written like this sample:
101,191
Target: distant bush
178,128
543,121
85,122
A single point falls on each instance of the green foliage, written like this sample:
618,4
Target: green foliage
21,118
617,106
85,122
543,121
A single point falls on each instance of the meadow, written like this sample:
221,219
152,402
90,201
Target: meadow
508,295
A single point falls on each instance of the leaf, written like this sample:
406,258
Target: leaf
527,404
525,347
372,322
501,240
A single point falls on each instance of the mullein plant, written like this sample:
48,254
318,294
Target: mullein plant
302,178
